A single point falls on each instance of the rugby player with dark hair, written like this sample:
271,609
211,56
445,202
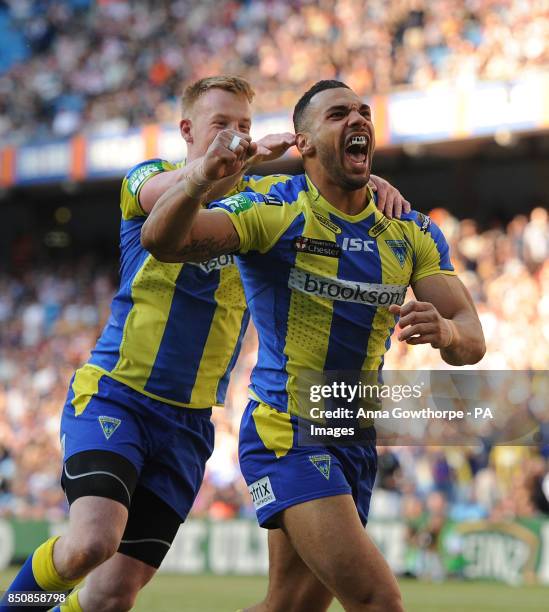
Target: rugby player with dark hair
321,306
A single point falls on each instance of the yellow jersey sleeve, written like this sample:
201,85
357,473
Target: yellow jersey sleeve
259,219
134,181
431,251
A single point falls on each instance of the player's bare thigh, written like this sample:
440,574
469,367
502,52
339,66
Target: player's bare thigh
329,537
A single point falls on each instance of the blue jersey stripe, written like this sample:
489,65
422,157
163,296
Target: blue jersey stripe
387,347
107,350
224,381
435,233
270,307
289,191
199,311
132,253
442,247
351,322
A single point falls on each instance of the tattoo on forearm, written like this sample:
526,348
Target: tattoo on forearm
206,248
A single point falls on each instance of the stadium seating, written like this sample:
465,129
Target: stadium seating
129,60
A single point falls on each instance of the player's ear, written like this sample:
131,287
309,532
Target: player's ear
303,143
185,127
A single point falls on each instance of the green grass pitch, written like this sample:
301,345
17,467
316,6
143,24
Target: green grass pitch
170,593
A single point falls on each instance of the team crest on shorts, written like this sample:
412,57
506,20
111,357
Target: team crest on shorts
322,463
262,492
109,425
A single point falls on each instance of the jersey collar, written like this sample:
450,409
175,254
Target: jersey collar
319,200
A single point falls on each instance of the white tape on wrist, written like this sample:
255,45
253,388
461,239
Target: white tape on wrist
235,142
452,334
196,185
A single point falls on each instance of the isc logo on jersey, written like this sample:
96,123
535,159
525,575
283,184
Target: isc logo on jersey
372,294
357,244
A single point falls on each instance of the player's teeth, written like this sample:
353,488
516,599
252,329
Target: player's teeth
358,140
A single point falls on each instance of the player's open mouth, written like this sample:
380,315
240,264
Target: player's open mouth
356,149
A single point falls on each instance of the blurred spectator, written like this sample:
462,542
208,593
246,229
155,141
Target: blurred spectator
536,238
81,65
424,523
387,502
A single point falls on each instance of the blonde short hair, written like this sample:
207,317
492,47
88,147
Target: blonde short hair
233,84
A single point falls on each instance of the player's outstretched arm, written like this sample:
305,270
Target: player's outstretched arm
445,317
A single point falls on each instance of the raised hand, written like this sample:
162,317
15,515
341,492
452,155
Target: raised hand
273,146
228,154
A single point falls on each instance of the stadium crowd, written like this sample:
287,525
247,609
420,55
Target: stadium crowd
51,316
80,65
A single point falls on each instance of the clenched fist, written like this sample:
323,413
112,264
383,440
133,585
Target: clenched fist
227,155
421,323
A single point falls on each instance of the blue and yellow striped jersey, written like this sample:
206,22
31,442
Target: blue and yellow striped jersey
175,330
319,282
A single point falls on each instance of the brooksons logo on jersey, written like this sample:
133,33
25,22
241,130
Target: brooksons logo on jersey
371,294
303,244
262,492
